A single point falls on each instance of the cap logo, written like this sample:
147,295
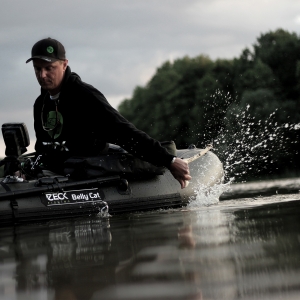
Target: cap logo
50,49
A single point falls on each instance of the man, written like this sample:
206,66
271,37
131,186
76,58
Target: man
75,118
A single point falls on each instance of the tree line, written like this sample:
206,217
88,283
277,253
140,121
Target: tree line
248,106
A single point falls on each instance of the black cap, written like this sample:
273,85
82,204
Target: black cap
49,50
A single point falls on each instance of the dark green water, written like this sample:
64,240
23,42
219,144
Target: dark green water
237,249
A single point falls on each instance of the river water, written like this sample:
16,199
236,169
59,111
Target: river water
243,248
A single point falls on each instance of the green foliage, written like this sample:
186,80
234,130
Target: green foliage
194,100
263,103
280,50
175,101
258,76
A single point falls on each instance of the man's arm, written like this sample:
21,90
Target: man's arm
123,133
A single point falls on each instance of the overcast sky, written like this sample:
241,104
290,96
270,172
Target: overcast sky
116,45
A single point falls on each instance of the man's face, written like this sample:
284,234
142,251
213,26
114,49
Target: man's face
50,74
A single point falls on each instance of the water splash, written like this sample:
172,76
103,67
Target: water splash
247,147
103,210
251,147
208,195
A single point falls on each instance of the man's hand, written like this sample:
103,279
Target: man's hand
20,175
180,170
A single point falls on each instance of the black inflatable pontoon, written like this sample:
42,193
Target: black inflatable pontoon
60,197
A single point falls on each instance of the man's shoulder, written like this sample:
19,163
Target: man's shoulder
82,88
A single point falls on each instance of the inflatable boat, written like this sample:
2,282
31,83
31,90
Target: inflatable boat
57,197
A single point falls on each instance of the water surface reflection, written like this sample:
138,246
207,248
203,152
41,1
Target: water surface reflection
226,251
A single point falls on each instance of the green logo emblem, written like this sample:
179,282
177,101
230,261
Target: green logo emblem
50,49
54,123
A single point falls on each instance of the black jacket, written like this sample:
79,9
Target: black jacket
90,122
